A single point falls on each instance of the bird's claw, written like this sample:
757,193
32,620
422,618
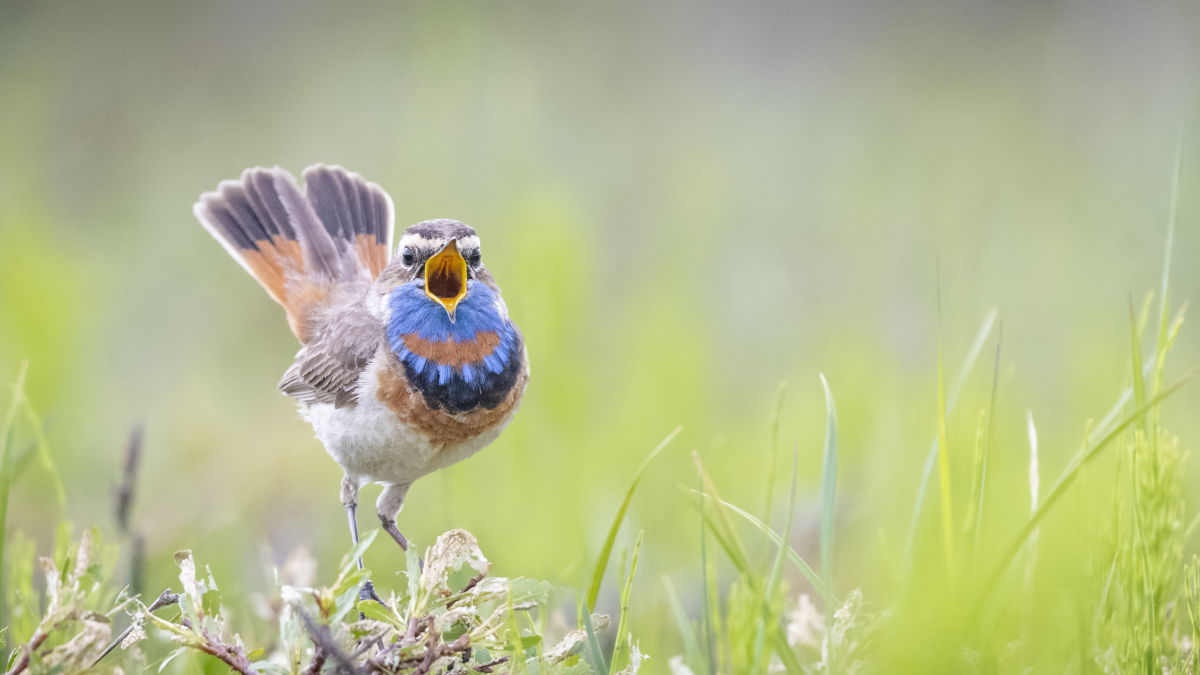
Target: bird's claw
367,592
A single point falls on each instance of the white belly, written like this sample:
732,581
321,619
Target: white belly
372,445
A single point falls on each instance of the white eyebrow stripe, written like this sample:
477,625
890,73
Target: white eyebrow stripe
422,242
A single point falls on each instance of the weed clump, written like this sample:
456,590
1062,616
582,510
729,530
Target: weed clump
451,616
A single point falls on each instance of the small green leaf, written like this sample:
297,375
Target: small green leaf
351,580
346,594
373,610
211,601
170,657
530,638
357,551
412,572
529,590
62,545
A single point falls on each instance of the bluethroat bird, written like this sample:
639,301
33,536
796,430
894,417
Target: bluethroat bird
409,362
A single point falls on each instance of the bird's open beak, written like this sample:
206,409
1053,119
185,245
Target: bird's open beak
446,277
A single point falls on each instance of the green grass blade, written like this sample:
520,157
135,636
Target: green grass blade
944,465
594,654
1164,302
1144,315
813,578
828,493
931,456
828,512
1034,474
736,555
710,654
621,648
721,524
1081,459
791,664
1148,367
726,536
1139,383
606,550
982,473
781,546
691,647
776,414
1163,342
43,450
776,575
1114,412
1034,484
7,468
977,470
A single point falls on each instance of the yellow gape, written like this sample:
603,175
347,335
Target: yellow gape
446,277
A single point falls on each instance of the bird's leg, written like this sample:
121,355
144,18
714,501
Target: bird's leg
350,501
388,507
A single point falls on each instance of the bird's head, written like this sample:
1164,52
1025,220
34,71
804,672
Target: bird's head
440,258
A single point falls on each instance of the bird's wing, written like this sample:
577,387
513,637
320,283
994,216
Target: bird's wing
327,369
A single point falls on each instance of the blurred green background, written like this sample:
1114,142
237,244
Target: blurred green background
684,204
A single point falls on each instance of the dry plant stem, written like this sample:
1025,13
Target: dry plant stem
137,562
487,667
164,599
124,492
318,661
415,626
437,651
470,584
323,641
365,646
27,653
422,663
375,663
123,496
234,657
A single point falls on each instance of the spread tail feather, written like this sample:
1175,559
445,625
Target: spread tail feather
300,246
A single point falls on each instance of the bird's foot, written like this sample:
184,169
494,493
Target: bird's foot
367,592
389,526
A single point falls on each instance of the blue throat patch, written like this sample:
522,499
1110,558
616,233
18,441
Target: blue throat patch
477,376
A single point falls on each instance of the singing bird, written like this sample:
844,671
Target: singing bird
409,361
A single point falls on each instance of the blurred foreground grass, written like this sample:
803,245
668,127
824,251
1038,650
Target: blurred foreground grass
1068,587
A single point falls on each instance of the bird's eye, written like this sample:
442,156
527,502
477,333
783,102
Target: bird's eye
473,256
407,256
